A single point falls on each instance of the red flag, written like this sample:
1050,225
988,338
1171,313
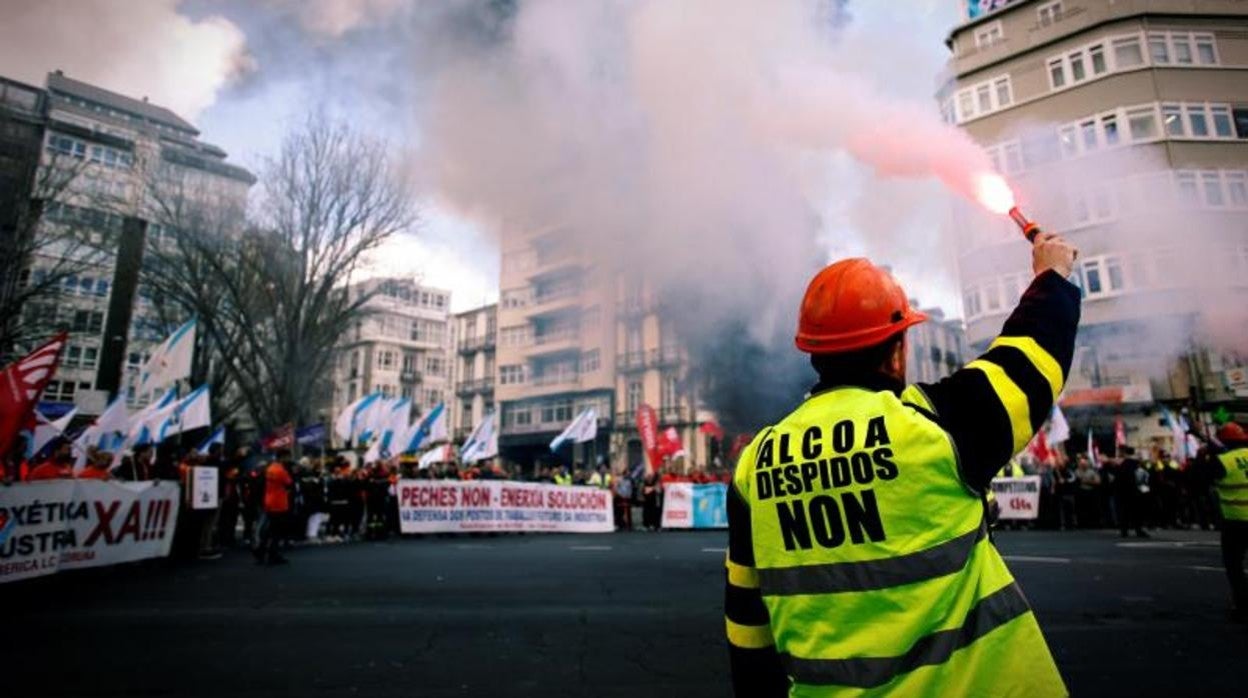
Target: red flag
1120,432
711,428
21,384
670,443
279,438
1039,447
648,429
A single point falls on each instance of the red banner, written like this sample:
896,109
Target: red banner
21,384
648,429
282,437
712,429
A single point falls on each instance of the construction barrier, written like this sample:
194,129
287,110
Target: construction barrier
55,525
686,505
441,506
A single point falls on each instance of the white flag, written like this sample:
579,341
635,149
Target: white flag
482,444
48,429
583,428
346,424
104,430
372,419
216,437
1059,429
430,429
437,454
171,361
143,425
191,412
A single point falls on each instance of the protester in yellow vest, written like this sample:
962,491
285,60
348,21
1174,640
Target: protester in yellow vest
858,559
1232,486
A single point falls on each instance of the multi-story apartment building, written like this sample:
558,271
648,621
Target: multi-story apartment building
109,152
1125,126
556,344
653,368
22,119
475,339
401,347
936,348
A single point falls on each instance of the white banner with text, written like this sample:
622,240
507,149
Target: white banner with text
1019,497
440,506
58,525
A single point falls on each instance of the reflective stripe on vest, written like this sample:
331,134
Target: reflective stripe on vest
873,561
1233,487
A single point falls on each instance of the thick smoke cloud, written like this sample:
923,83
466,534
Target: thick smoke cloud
689,142
140,48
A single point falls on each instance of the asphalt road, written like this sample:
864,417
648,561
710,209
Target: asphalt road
558,615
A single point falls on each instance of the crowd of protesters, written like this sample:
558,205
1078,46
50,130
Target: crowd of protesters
1131,491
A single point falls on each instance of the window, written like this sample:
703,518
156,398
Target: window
669,396
385,359
1127,53
992,295
1186,182
989,35
1240,117
1172,117
1057,73
1205,52
1113,273
966,106
1004,96
518,415
88,321
1222,121
1211,184
590,361
634,396
970,302
1158,49
1092,277
1087,131
90,357
1077,71
1049,13
72,356
983,96
1197,120
1142,122
1013,157
1109,127
434,365
1237,188
1182,48
1070,146
511,375
1096,56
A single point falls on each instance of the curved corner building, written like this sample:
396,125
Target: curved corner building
1124,125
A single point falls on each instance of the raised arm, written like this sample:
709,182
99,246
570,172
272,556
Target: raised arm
994,405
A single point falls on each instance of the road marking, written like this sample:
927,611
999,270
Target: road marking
589,547
714,550
1037,558
1202,568
1168,544
473,546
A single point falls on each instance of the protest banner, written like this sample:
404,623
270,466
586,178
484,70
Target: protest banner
686,505
1018,497
57,525
437,506
204,483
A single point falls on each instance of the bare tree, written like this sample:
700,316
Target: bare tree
64,228
272,297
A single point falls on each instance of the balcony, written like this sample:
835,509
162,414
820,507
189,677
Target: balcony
553,342
555,301
665,357
673,415
631,361
406,376
470,345
473,387
547,380
536,427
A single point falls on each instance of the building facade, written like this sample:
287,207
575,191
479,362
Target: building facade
22,119
1123,125
400,347
104,154
556,345
936,348
475,336
572,335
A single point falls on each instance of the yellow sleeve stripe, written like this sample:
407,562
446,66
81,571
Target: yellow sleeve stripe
750,637
915,395
741,576
1041,359
1012,398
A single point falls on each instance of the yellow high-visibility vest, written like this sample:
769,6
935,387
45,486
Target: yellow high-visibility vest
873,561
1233,487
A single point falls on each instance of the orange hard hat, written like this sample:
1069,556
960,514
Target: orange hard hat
852,305
1232,433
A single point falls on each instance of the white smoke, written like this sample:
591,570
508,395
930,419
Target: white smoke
137,48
